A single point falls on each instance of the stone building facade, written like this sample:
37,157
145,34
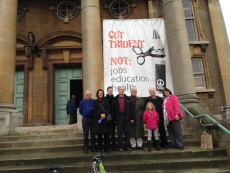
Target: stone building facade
68,35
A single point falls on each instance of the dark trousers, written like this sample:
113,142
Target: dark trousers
73,119
175,134
162,131
100,141
123,126
112,135
88,125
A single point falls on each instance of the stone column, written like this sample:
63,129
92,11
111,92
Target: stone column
222,48
92,45
9,117
151,10
179,53
8,17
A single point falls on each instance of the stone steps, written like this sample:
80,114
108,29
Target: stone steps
65,141
74,136
33,135
28,150
129,166
64,145
189,152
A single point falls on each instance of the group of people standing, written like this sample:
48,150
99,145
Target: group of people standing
129,114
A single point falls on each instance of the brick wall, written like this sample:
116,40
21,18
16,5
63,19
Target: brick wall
213,66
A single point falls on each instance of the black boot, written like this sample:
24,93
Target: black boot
149,146
158,146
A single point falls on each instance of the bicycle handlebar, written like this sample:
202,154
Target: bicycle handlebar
96,157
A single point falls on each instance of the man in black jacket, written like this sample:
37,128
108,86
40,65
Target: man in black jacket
71,109
110,98
157,101
124,112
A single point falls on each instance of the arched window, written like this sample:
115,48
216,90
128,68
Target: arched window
21,11
66,10
190,20
119,9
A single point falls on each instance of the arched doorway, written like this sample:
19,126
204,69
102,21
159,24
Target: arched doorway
60,51
63,59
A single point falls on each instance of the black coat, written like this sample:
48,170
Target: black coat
103,127
158,105
71,107
110,99
129,108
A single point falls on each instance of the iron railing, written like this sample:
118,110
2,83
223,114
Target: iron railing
214,122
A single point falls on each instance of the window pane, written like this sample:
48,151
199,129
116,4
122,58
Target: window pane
119,7
198,72
66,9
191,29
199,80
197,66
187,8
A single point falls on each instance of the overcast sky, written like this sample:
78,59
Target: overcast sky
225,5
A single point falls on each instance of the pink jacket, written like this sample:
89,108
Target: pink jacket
151,119
172,108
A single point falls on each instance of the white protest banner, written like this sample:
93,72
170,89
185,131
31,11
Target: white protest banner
135,54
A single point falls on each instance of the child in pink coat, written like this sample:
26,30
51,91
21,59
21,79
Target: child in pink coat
151,118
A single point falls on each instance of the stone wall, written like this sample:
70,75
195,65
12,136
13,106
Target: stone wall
216,102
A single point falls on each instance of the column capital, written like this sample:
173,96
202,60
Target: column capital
90,3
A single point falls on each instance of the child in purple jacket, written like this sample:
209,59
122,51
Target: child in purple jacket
151,118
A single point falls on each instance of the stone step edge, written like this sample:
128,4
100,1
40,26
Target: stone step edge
68,131
116,154
188,142
77,145
66,135
69,139
127,163
225,169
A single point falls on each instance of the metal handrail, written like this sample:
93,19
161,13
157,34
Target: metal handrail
207,116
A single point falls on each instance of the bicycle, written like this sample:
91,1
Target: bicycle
98,165
53,169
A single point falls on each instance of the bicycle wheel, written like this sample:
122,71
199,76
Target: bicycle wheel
96,168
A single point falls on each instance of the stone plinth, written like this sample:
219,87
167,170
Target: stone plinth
9,119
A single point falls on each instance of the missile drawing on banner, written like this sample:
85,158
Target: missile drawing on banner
157,52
